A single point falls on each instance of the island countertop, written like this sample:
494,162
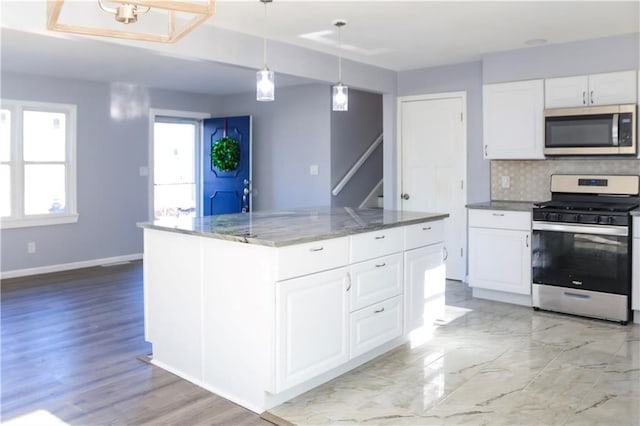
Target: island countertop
283,228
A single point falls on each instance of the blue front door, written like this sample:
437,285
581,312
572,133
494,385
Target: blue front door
225,176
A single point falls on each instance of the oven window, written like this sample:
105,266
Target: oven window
579,131
583,261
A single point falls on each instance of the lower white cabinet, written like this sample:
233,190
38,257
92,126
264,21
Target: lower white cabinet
312,315
376,324
500,251
425,280
635,275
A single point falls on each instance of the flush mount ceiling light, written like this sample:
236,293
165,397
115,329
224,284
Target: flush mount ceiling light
179,17
340,92
265,81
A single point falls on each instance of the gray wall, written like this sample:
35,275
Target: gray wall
112,196
582,57
455,78
289,135
352,132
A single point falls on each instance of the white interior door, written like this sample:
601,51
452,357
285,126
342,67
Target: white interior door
433,166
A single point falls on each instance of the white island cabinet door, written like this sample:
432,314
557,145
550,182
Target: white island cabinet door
425,280
635,274
312,322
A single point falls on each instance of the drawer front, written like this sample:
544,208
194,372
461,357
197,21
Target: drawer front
500,219
308,258
376,280
375,325
375,244
423,234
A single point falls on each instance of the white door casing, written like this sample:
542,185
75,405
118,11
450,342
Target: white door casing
433,165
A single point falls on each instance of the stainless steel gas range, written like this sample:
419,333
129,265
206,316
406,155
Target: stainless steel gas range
581,246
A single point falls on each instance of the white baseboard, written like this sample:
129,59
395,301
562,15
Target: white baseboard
69,266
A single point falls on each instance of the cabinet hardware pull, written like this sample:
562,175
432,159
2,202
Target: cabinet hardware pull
317,249
498,214
380,237
584,97
377,311
349,281
485,150
527,241
446,253
591,97
380,265
426,228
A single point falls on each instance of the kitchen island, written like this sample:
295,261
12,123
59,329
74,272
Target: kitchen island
260,307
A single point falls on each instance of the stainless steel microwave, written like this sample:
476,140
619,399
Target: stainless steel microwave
605,130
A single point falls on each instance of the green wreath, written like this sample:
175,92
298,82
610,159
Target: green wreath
225,154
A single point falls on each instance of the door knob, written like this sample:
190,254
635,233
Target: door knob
405,196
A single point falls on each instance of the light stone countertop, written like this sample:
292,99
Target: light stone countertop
283,228
519,206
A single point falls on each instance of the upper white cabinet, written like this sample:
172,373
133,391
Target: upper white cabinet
591,90
513,120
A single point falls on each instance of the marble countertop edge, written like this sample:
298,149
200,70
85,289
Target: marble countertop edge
292,229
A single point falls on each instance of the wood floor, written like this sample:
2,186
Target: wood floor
69,347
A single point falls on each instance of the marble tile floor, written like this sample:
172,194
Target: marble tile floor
486,363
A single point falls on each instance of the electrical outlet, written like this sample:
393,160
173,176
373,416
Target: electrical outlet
505,181
31,247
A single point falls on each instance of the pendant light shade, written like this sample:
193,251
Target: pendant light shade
340,97
265,80
340,92
265,85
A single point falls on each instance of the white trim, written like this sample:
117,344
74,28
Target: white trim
157,112
106,261
18,218
354,169
371,195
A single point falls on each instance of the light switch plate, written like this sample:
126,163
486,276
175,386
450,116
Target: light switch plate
313,170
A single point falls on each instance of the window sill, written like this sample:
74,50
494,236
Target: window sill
39,221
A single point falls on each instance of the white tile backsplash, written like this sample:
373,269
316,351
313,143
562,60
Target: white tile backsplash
529,180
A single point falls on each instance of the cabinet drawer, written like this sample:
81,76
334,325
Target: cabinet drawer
500,219
423,234
375,325
375,244
376,280
303,259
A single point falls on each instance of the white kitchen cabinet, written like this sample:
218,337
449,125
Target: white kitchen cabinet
635,274
312,315
425,280
500,251
375,280
375,325
591,90
513,120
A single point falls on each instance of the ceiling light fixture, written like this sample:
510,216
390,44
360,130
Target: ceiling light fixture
340,92
127,12
265,81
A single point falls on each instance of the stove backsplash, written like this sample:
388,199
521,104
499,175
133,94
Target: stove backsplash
530,179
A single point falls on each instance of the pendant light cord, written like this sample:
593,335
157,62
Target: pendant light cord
264,38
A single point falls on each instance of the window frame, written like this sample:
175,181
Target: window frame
18,218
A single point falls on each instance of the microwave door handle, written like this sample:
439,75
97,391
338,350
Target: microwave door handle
614,130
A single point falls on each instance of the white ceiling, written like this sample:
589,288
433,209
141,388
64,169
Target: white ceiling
397,35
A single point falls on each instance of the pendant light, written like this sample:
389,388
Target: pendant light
265,82
340,92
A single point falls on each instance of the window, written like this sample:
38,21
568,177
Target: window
37,164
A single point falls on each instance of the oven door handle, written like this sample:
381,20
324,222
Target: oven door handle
621,231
